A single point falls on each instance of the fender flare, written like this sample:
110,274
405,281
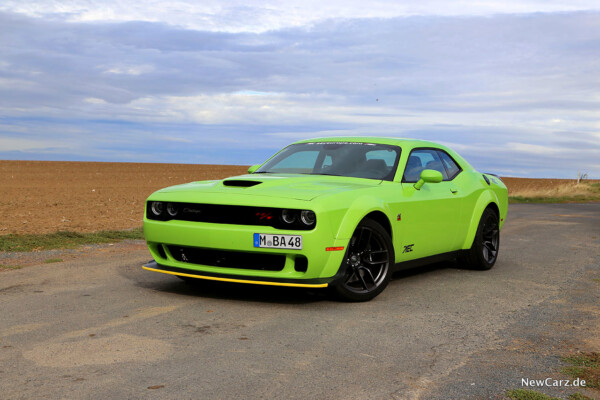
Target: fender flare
485,199
359,209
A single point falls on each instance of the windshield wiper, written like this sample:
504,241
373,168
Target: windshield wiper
325,174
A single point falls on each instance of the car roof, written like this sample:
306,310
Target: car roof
375,139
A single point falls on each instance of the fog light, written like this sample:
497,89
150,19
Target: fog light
157,208
308,217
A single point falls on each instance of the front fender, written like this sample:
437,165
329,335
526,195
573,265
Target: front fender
486,197
359,208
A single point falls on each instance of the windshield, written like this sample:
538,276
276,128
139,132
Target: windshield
359,160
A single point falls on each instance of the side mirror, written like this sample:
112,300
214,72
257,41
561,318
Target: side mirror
429,176
253,168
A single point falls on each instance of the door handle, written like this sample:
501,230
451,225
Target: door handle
454,190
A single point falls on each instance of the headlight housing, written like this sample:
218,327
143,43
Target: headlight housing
157,208
308,217
172,209
298,219
288,216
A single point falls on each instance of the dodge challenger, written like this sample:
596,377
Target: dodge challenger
337,213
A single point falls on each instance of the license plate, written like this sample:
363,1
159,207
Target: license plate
265,240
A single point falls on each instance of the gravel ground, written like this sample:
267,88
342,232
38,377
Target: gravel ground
98,326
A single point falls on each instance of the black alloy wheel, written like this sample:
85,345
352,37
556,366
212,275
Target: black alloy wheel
368,262
484,252
490,238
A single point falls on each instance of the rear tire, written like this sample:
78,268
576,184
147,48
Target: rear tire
484,251
368,263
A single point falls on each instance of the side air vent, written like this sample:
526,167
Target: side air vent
241,183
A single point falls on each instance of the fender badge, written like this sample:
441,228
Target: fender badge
399,217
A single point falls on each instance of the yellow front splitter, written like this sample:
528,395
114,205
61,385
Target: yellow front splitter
214,278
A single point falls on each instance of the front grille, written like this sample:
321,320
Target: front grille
228,214
228,259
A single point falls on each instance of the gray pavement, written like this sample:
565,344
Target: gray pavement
101,327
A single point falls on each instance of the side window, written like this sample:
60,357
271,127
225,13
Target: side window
421,159
451,166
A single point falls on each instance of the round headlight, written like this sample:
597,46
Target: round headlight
288,216
172,209
308,217
157,208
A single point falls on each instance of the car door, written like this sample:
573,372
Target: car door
429,217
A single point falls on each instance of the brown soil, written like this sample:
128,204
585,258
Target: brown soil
44,197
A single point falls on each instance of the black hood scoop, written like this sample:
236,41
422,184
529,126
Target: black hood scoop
240,183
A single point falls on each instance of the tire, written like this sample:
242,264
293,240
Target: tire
484,251
367,263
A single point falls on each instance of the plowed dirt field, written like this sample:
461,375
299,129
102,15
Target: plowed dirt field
45,196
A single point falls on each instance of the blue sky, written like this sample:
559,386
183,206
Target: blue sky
514,86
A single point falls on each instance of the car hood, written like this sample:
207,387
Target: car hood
288,186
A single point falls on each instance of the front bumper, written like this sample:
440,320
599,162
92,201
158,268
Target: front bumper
312,283
323,267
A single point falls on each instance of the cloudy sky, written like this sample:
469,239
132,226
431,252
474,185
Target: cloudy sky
514,86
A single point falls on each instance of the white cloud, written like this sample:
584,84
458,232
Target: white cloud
507,91
532,148
245,16
129,69
94,100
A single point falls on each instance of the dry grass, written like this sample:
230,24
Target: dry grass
524,190
585,366
64,240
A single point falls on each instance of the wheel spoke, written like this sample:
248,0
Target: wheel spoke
362,280
491,250
369,257
352,275
374,262
490,246
368,272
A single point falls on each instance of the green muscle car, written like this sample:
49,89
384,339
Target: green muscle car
343,213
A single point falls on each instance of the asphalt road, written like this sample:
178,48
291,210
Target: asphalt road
100,327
